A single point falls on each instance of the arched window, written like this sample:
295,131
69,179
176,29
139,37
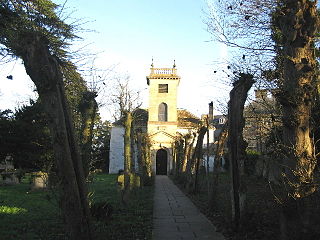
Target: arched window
163,112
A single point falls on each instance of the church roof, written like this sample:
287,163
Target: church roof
140,118
187,119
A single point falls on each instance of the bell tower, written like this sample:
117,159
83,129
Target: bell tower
163,87
162,123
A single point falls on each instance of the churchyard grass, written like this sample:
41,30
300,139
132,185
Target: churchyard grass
26,214
133,221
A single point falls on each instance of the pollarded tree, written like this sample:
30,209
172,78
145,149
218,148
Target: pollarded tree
298,23
33,31
237,145
88,108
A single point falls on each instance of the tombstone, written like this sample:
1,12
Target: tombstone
39,180
9,178
134,181
7,164
259,166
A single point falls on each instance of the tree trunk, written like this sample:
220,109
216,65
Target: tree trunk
127,156
217,163
179,156
188,144
220,149
190,153
133,151
45,72
298,22
143,157
237,145
88,109
298,26
208,155
147,158
197,156
174,157
139,153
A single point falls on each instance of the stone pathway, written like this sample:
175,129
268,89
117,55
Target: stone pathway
175,216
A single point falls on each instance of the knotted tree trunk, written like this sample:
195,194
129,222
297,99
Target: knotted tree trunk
44,70
298,22
237,145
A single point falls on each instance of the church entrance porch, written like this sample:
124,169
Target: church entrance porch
161,162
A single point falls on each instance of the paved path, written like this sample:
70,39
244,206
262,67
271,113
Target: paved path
175,216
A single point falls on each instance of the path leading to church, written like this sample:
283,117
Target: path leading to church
176,217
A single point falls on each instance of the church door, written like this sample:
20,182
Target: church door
161,162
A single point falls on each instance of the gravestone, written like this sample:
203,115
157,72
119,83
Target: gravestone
39,180
9,178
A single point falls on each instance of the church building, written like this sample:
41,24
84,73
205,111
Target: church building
164,122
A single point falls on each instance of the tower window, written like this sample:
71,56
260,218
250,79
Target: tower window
163,88
163,112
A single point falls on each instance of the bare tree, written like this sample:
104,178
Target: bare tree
124,97
126,101
242,24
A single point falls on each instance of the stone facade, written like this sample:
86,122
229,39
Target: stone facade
162,124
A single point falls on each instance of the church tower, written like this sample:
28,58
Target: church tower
162,124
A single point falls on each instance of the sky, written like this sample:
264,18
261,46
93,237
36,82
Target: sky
128,34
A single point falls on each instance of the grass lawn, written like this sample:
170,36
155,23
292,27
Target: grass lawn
132,222
26,214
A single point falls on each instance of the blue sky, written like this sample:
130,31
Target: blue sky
129,33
